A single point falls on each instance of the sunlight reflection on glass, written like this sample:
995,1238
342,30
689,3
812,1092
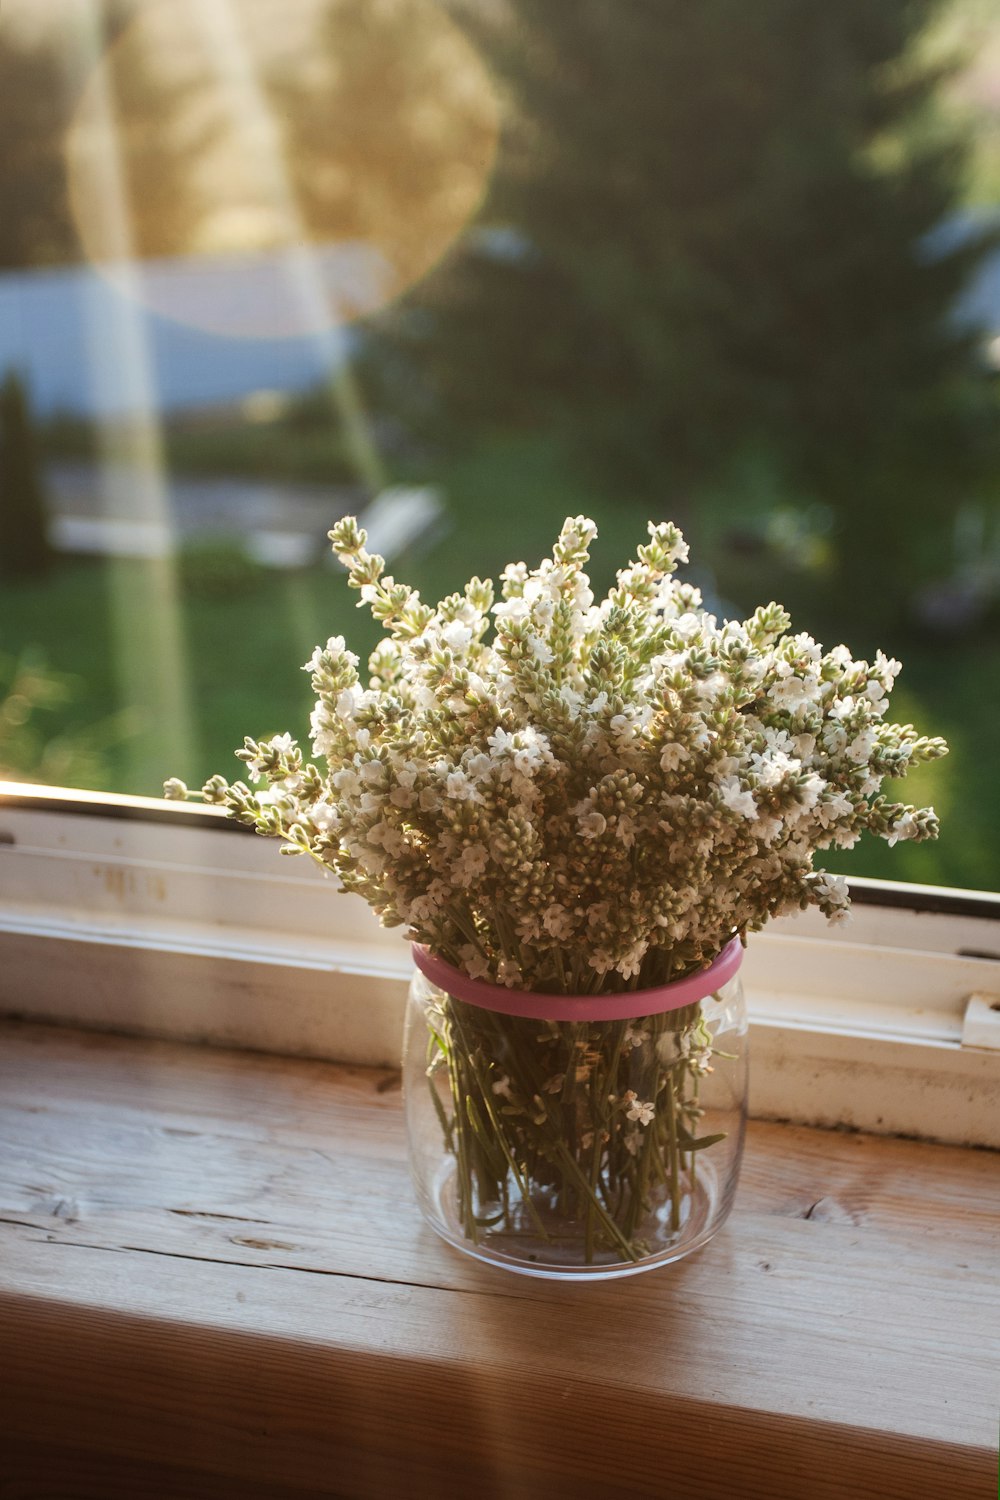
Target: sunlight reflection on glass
301,164
131,476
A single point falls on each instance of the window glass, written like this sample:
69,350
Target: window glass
468,268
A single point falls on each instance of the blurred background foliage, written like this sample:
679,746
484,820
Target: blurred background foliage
731,265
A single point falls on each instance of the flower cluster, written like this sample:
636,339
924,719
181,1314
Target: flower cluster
575,796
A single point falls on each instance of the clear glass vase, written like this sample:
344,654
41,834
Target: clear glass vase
576,1137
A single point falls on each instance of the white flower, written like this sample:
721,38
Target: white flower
834,738
832,895
370,857
591,824
634,1036
830,809
347,781
324,816
861,747
501,742
625,830
541,650
456,636
631,962
516,609
474,962
903,828
772,766
458,785
558,922
514,576
509,972
478,767
282,744
796,692
673,755
532,750
808,793
335,650
502,1088
470,865
708,688
767,827
636,1110
737,798
887,667
384,836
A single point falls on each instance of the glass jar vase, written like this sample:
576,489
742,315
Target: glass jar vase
576,1137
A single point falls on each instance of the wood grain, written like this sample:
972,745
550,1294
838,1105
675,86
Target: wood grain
214,1281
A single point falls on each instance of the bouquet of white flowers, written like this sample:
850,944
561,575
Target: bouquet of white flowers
593,800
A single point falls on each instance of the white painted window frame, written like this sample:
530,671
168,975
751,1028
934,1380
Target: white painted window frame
142,916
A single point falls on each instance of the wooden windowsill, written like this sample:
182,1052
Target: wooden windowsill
214,1282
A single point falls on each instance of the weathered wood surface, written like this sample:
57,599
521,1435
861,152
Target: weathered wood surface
214,1281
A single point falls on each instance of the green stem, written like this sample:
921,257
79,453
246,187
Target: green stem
672,1152
607,1221
485,1094
534,1142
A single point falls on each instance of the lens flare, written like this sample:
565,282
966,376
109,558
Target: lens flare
291,165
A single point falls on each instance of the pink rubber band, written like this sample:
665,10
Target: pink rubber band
626,1007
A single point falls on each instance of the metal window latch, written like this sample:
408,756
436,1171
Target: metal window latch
981,1023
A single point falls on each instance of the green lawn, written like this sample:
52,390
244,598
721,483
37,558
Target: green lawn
229,664
240,657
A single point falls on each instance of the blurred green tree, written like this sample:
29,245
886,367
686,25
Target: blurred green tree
35,227
710,233
51,95
24,544
387,133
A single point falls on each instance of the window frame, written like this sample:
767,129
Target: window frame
137,915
